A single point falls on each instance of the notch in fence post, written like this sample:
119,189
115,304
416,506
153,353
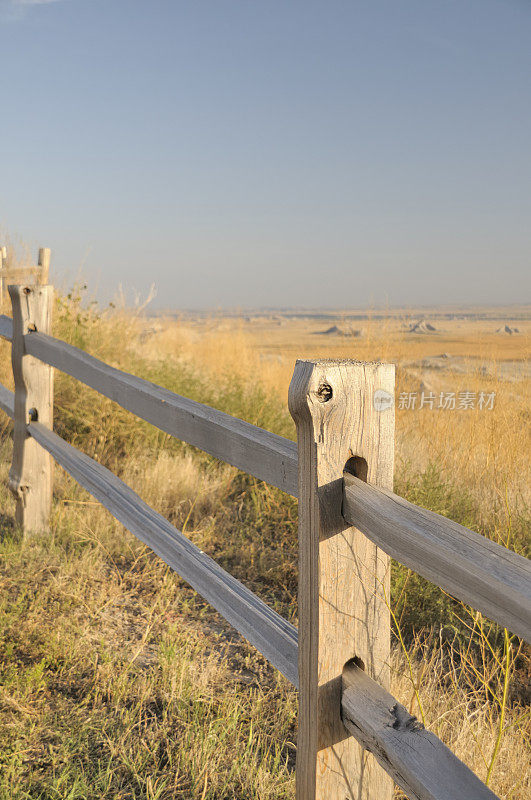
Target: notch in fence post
31,474
344,413
44,263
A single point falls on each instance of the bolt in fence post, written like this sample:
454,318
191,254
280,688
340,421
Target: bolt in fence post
344,413
31,474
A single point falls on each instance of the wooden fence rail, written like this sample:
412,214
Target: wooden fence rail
253,450
7,401
423,767
348,528
272,635
470,567
6,327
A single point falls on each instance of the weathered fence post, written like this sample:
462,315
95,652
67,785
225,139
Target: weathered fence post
44,263
344,412
30,477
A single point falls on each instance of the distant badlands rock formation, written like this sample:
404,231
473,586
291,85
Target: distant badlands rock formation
336,330
506,329
422,326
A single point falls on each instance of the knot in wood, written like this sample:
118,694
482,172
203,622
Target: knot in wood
17,489
404,721
324,393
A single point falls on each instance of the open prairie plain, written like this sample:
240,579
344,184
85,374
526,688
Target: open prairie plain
116,681
438,353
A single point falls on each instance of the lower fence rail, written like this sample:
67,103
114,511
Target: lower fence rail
414,757
273,636
7,401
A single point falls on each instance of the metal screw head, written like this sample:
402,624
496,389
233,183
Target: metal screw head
324,393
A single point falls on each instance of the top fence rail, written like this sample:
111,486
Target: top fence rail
470,567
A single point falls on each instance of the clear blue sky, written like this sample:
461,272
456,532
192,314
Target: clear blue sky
272,152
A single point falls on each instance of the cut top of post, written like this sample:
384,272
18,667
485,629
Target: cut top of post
354,401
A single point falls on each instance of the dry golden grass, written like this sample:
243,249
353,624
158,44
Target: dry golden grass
133,661
118,682
483,450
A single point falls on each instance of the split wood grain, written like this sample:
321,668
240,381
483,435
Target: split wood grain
487,576
258,452
423,767
266,630
31,473
343,577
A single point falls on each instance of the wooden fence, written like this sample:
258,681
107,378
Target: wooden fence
350,522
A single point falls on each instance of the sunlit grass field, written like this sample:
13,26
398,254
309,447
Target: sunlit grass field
117,681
